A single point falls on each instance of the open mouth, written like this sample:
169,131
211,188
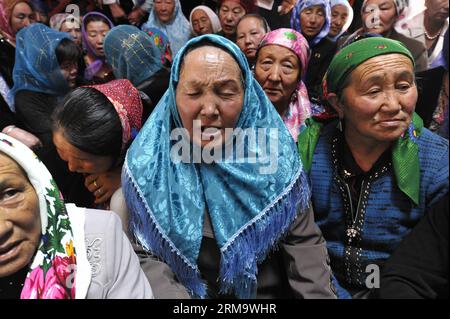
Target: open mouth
210,132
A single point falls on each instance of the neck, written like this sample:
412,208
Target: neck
281,108
365,151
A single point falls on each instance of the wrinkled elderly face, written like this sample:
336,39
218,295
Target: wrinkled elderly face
164,9
96,33
21,16
201,23
277,70
379,16
230,12
79,161
250,32
74,29
380,99
20,223
210,90
312,20
339,16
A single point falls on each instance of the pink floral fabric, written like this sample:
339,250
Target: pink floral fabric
53,269
300,107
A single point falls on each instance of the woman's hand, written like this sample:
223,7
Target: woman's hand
117,11
135,16
25,137
103,186
286,6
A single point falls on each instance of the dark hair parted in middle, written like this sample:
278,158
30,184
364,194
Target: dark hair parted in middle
89,121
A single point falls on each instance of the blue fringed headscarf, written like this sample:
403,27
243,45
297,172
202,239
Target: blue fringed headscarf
36,68
249,211
304,4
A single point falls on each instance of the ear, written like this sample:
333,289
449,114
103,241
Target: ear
334,101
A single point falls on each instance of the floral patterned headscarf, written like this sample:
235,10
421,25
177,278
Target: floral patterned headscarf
53,269
162,43
299,107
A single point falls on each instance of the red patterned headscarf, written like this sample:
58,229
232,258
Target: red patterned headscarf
127,102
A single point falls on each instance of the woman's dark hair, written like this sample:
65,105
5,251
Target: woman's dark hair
89,121
94,18
261,19
68,51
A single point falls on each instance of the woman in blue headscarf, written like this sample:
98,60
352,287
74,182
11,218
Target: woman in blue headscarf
167,16
341,18
212,219
133,55
312,18
45,70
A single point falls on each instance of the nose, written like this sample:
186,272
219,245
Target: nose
209,108
74,70
73,166
274,73
391,103
27,21
247,39
229,16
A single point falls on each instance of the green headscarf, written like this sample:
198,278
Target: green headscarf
355,54
405,152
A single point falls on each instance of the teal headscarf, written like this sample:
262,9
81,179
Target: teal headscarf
132,54
36,68
250,210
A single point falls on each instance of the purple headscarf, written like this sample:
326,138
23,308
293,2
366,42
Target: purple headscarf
95,66
299,107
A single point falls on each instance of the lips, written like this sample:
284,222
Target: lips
311,29
390,122
210,132
249,51
228,27
9,251
272,91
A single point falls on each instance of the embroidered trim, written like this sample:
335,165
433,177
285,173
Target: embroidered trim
93,255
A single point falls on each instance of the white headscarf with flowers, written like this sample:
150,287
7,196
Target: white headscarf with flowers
57,268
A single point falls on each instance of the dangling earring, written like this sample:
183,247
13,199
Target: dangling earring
340,125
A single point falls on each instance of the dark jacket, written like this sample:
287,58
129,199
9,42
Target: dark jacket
417,49
429,85
321,56
419,266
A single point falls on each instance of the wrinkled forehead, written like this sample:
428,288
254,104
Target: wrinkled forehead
394,64
9,166
207,54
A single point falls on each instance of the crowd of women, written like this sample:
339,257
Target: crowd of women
347,100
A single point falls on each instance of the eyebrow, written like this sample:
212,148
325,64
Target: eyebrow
216,83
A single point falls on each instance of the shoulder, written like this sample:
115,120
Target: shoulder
412,44
102,222
431,144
